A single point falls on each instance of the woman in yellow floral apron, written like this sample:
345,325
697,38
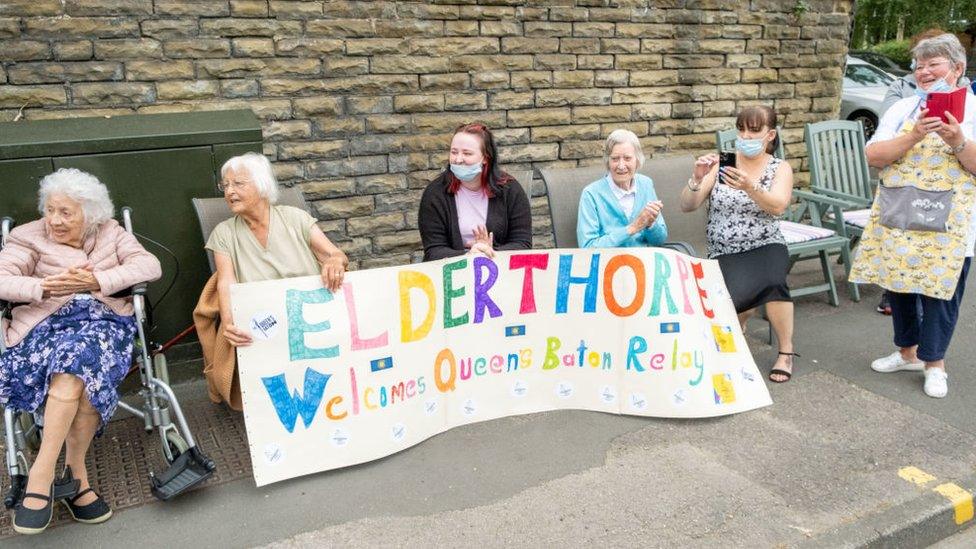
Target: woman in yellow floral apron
918,242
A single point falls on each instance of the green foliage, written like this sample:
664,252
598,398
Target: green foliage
800,7
898,50
877,21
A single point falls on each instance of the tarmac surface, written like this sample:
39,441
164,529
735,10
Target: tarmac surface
825,466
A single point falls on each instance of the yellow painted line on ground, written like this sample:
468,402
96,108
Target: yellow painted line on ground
915,475
961,499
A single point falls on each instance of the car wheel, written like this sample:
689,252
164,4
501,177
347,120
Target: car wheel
867,120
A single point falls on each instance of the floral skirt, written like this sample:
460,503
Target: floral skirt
83,338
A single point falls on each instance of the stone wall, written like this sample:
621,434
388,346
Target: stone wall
358,99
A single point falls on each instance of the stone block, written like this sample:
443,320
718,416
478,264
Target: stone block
15,97
645,31
249,8
374,144
82,71
800,74
345,66
319,105
620,46
446,122
375,46
236,26
662,94
197,48
775,91
159,70
518,44
405,241
31,8
505,100
641,62
781,60
127,48
341,127
452,81
343,208
303,150
190,8
762,75
25,50
572,79
781,32
308,47
593,29
610,113
61,28
653,78
486,13
581,46
554,62
361,165
447,46
361,10
376,84
762,46
558,134
332,188
477,101
170,28
693,61
428,11
75,8
581,149
711,76
584,62
409,27
399,201
400,64
478,63
652,111
741,61
9,28
738,91
376,224
296,10
686,110
193,89
742,31
380,184
500,28
76,50
112,93
490,80
545,29
239,68
368,105
279,130
561,97
612,79
239,88
718,108
292,86
253,47
408,163
460,28
522,80
567,12
540,117
418,103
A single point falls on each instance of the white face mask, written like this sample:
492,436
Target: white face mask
940,86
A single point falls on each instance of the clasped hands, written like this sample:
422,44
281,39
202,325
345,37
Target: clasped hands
647,216
72,281
482,243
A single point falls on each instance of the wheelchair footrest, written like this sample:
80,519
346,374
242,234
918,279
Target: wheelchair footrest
187,470
16,493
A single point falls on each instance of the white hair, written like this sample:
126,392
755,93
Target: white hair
259,168
944,45
620,137
82,187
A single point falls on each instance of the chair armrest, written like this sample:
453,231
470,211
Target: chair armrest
825,200
682,247
137,289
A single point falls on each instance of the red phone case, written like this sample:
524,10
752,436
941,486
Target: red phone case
940,103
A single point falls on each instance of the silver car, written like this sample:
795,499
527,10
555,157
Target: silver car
862,94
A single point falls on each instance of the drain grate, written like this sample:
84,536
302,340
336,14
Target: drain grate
119,462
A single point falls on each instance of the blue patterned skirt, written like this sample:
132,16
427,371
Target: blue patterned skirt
84,338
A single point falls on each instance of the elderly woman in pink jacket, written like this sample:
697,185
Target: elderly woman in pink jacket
69,341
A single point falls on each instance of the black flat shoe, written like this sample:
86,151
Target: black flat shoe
93,513
34,521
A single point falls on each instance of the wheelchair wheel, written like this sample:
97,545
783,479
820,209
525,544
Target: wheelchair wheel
32,432
176,445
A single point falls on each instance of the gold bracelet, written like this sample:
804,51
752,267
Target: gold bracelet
960,147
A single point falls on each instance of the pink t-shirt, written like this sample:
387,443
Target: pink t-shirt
472,208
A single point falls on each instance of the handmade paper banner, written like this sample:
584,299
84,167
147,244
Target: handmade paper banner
403,353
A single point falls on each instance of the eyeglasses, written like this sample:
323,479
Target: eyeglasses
930,66
223,187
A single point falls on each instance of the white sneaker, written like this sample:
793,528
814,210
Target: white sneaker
936,385
894,363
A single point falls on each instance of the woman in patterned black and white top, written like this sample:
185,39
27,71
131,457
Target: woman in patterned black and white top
743,234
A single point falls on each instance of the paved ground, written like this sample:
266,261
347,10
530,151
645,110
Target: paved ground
820,468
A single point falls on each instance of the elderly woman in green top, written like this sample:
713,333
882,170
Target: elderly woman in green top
265,241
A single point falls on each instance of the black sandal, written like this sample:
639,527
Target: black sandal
34,521
778,371
92,513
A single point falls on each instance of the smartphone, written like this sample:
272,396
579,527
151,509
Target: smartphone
725,160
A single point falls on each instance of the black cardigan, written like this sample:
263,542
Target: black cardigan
509,219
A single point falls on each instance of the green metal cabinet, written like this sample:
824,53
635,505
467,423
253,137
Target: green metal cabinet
153,163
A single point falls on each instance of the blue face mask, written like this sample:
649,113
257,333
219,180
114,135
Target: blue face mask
751,148
940,86
465,172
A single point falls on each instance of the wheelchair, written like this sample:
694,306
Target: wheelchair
186,464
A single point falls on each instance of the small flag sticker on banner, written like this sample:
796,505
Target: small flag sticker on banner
518,330
724,342
670,327
724,390
381,364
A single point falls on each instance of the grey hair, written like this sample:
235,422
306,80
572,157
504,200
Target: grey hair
619,137
259,167
82,187
944,45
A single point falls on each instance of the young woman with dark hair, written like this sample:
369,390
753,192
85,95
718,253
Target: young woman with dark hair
473,206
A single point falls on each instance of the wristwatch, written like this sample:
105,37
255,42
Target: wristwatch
959,148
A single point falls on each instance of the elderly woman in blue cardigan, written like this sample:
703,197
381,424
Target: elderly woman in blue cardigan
620,209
